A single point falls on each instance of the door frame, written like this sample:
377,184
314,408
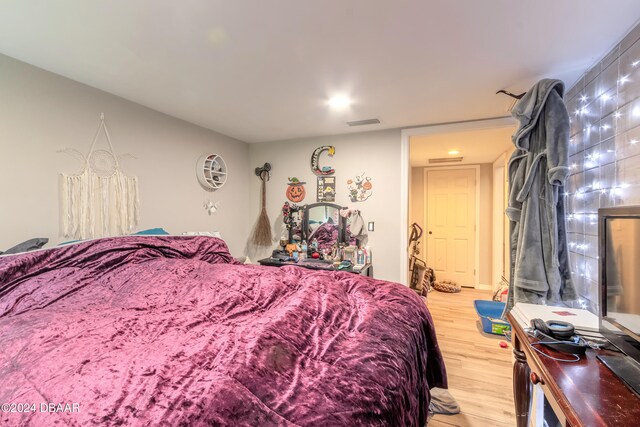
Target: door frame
405,168
498,244
476,168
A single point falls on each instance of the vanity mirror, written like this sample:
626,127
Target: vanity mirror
323,222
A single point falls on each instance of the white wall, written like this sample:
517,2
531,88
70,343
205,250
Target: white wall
41,112
375,153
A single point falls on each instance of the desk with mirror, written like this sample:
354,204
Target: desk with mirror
324,232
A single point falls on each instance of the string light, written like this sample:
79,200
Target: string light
589,192
591,160
619,191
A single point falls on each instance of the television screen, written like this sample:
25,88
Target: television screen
622,273
619,252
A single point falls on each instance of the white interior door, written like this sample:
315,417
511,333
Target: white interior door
451,222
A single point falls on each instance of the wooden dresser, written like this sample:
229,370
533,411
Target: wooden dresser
585,393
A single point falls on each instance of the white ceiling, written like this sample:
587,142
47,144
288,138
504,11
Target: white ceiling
262,70
475,146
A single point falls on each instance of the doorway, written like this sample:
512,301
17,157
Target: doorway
469,145
451,223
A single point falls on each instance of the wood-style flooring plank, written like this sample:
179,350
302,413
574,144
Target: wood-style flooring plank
478,369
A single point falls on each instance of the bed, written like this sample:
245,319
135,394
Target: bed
144,330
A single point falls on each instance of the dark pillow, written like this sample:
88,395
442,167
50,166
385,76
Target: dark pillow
29,245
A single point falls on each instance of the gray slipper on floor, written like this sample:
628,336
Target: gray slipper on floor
442,402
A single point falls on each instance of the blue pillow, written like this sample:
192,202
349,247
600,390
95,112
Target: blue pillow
152,232
69,242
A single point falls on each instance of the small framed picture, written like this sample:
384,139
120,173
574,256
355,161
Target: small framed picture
326,189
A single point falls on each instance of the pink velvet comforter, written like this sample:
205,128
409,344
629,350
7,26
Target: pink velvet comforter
173,331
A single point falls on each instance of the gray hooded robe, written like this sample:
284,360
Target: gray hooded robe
538,168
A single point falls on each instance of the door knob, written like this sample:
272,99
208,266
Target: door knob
431,232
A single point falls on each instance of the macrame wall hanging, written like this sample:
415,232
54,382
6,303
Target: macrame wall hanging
100,200
262,233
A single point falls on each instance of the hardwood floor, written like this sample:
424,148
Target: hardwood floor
479,370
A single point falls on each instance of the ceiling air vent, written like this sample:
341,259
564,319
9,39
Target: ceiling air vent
446,160
364,122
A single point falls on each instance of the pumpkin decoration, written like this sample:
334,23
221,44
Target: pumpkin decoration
295,190
291,248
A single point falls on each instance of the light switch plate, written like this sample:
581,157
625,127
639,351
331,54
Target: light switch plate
371,226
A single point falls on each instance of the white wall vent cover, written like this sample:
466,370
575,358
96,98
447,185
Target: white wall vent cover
446,160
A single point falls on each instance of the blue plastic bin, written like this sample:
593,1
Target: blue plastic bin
490,312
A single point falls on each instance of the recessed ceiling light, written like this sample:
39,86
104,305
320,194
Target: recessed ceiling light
453,152
339,102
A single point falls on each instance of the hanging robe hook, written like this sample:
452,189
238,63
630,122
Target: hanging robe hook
513,95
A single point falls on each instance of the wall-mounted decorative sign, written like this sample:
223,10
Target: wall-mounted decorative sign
326,189
211,171
360,188
295,190
325,170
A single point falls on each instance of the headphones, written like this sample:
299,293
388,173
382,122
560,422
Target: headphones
555,328
559,336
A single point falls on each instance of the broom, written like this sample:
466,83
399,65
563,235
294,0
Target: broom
262,232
